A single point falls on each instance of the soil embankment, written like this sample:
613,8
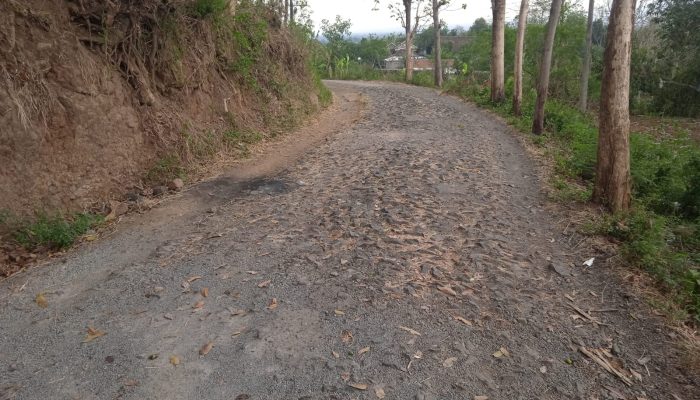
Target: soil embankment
98,99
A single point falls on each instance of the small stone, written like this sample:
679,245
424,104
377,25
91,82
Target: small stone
109,359
117,208
437,273
176,184
132,196
560,269
616,349
159,190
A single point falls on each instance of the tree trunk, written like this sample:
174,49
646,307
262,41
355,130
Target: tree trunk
437,47
545,67
409,41
498,93
613,182
232,7
286,12
518,69
586,69
291,12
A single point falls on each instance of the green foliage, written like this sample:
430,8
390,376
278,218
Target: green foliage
336,33
166,168
206,8
55,231
241,42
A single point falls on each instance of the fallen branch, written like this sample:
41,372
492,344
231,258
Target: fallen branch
598,358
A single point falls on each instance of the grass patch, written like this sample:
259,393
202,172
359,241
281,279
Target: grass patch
54,231
165,169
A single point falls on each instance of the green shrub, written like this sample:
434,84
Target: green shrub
205,8
55,231
165,169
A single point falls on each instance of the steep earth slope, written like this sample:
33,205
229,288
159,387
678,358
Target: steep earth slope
96,95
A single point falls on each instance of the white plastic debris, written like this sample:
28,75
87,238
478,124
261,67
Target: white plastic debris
589,262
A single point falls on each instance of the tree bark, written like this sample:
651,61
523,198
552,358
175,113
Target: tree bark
291,12
232,7
409,41
545,67
518,68
286,12
498,93
613,182
586,69
437,48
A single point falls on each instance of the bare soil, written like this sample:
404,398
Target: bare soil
410,255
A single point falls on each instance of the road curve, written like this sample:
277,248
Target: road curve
407,256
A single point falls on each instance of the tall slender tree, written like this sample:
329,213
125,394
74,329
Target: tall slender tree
613,182
437,47
586,68
498,93
412,14
545,67
292,12
518,65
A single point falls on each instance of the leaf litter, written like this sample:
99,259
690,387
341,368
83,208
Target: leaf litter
93,334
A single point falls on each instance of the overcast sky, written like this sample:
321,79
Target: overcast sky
364,20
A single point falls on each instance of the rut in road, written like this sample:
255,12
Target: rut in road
408,256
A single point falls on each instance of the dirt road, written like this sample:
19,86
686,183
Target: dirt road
409,255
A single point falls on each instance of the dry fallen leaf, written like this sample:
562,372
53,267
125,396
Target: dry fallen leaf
336,355
175,360
463,320
131,382
252,272
273,304
346,337
264,284
379,392
418,355
447,290
339,312
206,348
502,352
358,386
409,330
198,305
93,334
636,375
193,278
363,351
205,292
448,363
481,397
41,300
234,334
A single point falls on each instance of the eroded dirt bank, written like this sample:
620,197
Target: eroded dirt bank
407,256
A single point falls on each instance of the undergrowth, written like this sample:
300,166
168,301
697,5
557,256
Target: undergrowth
661,234
51,231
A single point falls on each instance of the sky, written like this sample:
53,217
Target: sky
364,20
